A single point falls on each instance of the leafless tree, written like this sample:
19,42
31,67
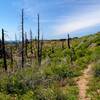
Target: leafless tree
3,51
22,37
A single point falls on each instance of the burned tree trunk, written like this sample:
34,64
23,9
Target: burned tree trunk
41,50
22,38
3,51
16,42
26,44
0,48
68,41
71,54
35,46
38,47
31,42
11,55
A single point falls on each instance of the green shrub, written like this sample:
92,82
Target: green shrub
96,54
4,96
64,71
28,96
97,69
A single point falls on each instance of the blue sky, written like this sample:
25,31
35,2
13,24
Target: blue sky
57,17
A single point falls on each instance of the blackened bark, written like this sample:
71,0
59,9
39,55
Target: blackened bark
38,47
41,49
11,55
3,51
22,38
68,41
26,44
16,42
31,42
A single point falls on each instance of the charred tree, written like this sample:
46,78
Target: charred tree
68,41
38,45
31,48
26,44
41,49
71,53
0,48
3,51
16,42
35,48
22,37
11,55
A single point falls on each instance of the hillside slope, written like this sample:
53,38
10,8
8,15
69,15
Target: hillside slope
60,77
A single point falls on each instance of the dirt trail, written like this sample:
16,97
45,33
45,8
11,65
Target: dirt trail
83,81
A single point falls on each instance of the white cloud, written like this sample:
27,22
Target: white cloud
85,14
80,21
